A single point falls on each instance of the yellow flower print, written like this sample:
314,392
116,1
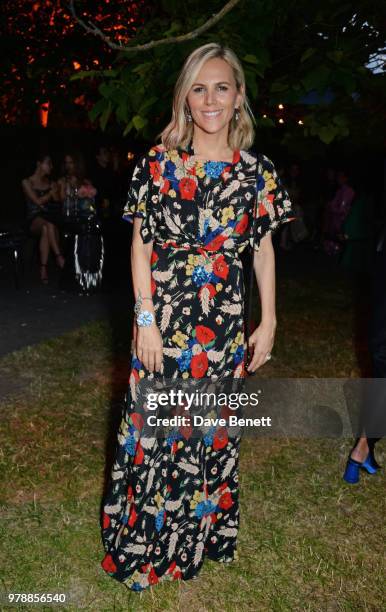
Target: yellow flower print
200,171
219,287
270,185
141,207
173,155
185,374
194,260
152,153
159,500
180,339
227,213
189,269
198,497
267,175
172,193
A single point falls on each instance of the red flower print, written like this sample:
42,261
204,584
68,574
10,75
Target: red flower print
145,567
153,578
220,438
211,289
129,492
225,501
177,575
139,455
106,520
187,188
186,431
108,564
132,517
155,170
171,567
213,517
153,286
262,210
242,225
174,447
220,267
153,258
204,335
137,420
165,187
223,486
199,365
216,243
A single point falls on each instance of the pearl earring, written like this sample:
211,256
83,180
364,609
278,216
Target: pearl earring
237,114
188,116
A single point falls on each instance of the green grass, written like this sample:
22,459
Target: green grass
307,541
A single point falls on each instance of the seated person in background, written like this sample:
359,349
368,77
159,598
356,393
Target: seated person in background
73,185
41,192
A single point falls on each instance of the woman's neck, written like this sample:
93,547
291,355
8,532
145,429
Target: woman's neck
211,146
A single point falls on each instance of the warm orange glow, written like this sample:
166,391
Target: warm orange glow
130,155
76,65
43,114
280,106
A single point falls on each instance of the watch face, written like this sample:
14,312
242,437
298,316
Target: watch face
145,318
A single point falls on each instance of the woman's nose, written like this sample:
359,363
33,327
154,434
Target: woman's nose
210,97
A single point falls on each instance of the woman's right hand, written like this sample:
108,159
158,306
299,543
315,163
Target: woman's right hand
149,347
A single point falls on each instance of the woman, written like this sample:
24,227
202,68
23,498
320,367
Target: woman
74,186
173,501
41,192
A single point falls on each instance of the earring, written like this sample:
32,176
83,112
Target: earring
237,114
188,116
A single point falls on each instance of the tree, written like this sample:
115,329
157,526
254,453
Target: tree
288,50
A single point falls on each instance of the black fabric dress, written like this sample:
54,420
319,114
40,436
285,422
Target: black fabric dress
173,501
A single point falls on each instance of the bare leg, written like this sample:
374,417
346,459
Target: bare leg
361,450
53,239
38,227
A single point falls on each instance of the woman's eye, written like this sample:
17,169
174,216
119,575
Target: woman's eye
223,88
197,89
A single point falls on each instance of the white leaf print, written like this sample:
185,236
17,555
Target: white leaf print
162,277
233,186
147,443
116,475
198,553
136,549
250,159
204,299
227,468
172,544
173,283
172,505
188,467
142,192
236,297
151,509
228,532
166,314
233,309
150,479
170,222
113,509
215,356
172,352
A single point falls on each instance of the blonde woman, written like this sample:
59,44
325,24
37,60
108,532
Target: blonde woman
172,502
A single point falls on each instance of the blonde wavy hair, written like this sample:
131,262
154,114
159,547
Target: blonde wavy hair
179,132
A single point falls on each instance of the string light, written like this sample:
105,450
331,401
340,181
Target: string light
281,106
300,122
281,120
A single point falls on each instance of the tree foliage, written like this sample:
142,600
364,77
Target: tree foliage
289,49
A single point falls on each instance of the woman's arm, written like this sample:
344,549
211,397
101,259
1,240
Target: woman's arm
29,192
263,337
148,339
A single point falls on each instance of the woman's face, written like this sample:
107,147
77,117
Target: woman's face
45,166
69,165
213,97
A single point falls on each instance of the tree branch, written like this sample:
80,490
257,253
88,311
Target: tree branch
91,28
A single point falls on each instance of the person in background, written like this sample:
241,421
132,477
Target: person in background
40,192
336,213
73,178
103,178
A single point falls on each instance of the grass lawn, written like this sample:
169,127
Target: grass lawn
307,540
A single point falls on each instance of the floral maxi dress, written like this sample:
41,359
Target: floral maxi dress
173,501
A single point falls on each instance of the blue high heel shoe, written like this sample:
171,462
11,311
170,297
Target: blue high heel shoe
351,473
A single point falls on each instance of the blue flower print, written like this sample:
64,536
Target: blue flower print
159,519
239,354
214,169
184,360
204,508
199,276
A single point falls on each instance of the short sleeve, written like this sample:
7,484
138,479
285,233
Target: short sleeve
141,198
273,204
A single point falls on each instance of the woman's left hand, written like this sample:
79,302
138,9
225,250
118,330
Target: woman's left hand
261,340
